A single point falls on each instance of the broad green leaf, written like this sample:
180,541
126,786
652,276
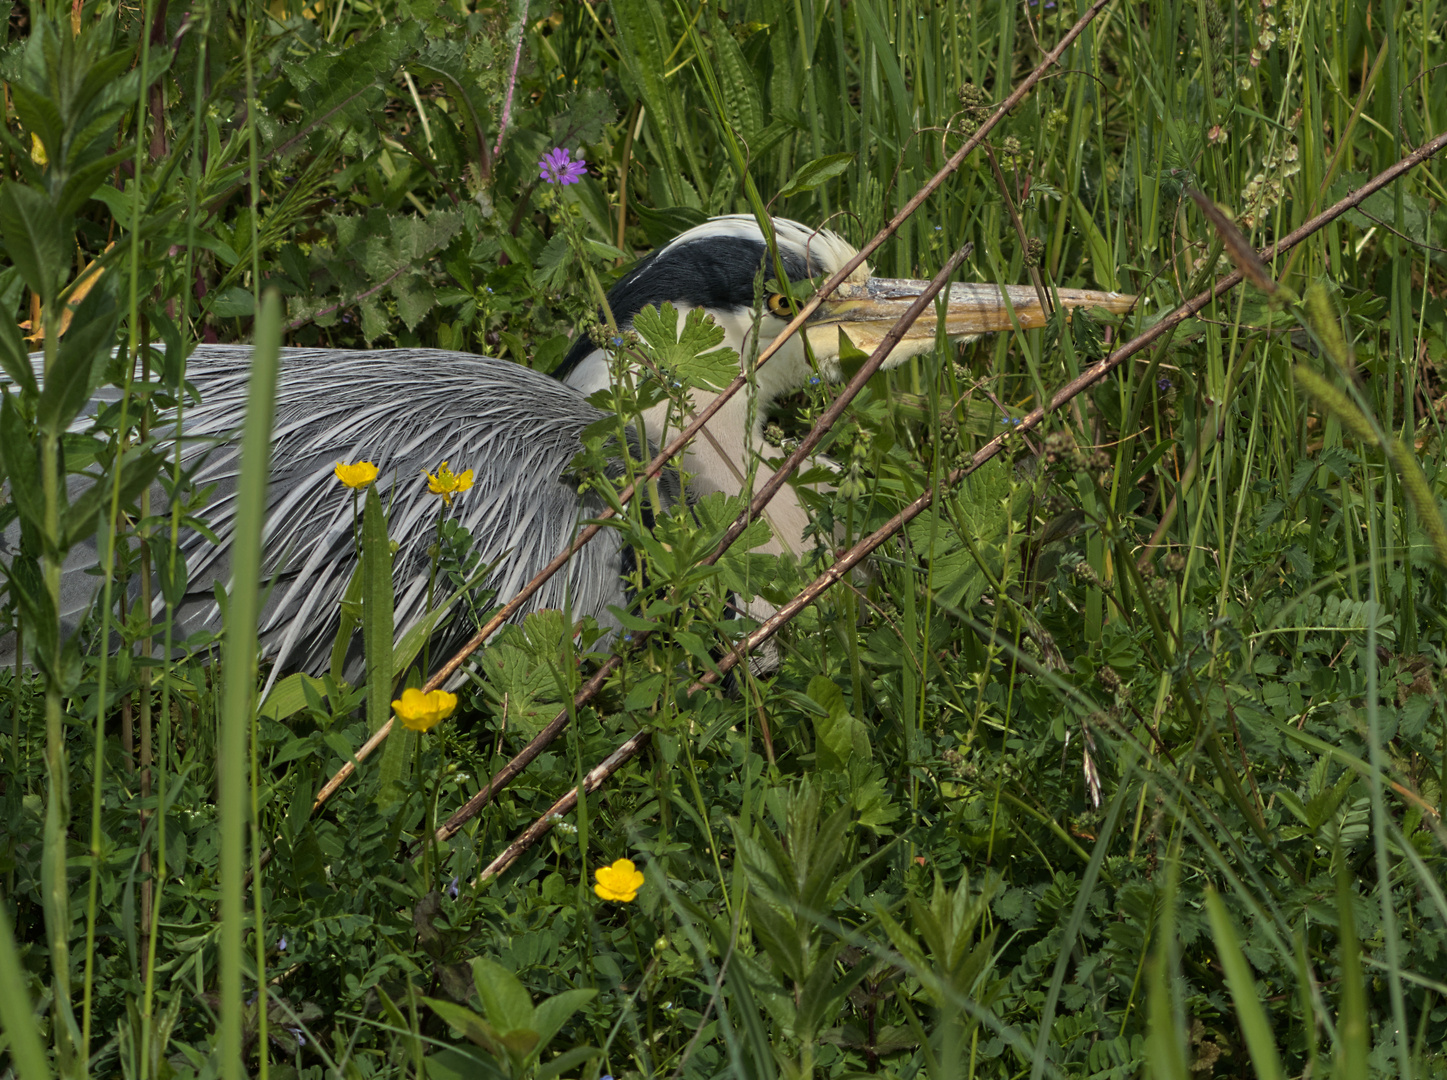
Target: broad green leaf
840,737
172,573
35,237
233,303
743,104
688,352
80,360
505,1000
663,224
288,697
458,1064
1102,262
814,173
645,43
552,1014
473,1027
566,1061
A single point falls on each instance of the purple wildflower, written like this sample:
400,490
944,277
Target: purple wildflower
1163,384
558,167
281,945
452,887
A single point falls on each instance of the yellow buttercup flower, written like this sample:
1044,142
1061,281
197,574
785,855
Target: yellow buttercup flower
447,483
619,882
356,475
423,712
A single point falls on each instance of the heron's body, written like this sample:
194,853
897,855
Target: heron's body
405,410
409,410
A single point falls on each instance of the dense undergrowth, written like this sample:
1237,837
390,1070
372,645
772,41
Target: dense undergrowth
1127,759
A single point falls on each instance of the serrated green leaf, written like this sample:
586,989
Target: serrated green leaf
415,298
688,352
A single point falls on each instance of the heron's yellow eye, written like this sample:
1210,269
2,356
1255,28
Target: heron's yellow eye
779,305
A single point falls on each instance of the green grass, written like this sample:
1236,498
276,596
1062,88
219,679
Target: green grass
1127,759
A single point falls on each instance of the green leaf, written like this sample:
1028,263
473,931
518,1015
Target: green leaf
663,224
415,298
814,173
567,1060
1102,263
81,359
841,738
233,303
743,104
690,352
79,519
473,1027
238,660
505,1001
19,462
552,1014
15,359
35,238
455,1064
1354,1032
172,573
288,696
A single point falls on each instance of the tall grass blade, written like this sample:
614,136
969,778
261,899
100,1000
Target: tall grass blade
17,1016
1165,1038
1353,1031
1244,995
239,669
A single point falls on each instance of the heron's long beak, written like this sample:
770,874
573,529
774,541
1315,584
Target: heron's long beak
866,312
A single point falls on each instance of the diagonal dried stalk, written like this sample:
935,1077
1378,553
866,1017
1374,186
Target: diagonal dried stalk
846,562
656,466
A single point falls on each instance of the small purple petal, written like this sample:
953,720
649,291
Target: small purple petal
558,167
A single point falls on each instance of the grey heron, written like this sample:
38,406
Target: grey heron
406,410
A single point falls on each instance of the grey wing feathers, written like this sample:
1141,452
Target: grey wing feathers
406,410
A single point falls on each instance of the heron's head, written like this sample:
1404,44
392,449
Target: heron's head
721,265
